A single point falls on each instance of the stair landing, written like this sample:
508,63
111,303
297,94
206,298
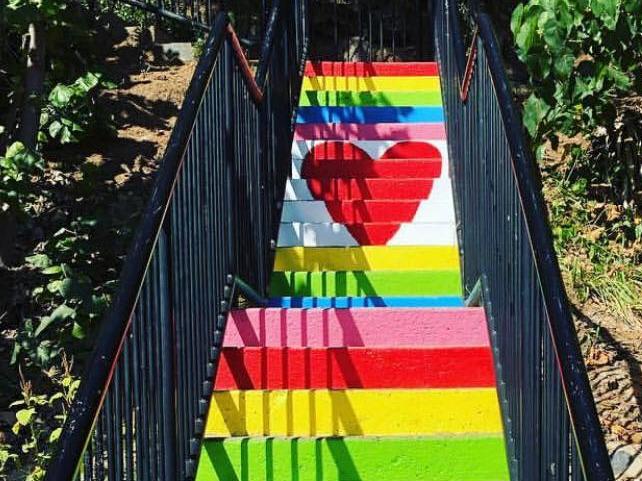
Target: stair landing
366,366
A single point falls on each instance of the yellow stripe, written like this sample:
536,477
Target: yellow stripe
366,258
353,412
363,84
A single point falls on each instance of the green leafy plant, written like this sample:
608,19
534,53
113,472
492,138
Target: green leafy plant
16,168
71,111
38,421
580,55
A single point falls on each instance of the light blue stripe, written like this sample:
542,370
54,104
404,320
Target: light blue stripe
356,302
369,115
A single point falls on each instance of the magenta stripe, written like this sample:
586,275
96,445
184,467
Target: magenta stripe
396,131
383,327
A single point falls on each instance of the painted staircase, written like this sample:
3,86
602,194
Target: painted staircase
366,366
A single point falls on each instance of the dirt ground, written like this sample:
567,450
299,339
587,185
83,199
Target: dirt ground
613,353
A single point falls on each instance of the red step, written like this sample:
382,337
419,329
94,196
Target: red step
342,368
371,69
337,150
366,189
400,168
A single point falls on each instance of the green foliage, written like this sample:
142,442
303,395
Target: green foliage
71,113
37,426
580,55
16,168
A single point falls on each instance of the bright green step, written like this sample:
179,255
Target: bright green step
326,98
366,283
354,459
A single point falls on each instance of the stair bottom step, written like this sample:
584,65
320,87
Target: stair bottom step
460,458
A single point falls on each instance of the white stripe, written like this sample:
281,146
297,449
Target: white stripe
337,235
297,189
315,211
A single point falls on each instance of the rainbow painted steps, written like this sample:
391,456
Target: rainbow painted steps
366,366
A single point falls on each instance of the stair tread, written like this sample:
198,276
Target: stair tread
369,115
337,327
355,367
317,412
402,458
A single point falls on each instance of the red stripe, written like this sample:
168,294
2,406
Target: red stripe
398,169
371,69
347,151
342,368
364,189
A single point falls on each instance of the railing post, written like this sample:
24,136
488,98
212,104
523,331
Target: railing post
167,341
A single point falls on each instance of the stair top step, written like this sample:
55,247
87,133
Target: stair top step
364,302
382,327
364,458
349,412
370,69
355,367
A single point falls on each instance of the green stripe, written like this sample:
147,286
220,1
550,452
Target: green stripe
354,459
366,283
325,98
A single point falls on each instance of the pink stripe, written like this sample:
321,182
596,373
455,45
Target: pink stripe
383,327
432,131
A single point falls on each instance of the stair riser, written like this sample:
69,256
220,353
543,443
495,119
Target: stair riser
342,368
325,98
354,132
363,302
382,327
366,283
372,84
360,211
359,169
355,149
367,258
350,459
338,235
371,69
354,412
369,115
342,189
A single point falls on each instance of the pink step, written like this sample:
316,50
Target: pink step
371,69
382,327
396,131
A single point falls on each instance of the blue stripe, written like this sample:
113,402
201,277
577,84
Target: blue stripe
352,302
369,115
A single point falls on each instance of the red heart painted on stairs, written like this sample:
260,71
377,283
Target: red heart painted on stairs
372,197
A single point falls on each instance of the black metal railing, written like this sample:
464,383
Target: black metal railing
212,217
549,413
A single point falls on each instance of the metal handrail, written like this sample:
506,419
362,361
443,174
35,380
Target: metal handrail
588,452
150,260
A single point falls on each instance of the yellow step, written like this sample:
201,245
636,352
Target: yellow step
353,412
371,84
367,258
